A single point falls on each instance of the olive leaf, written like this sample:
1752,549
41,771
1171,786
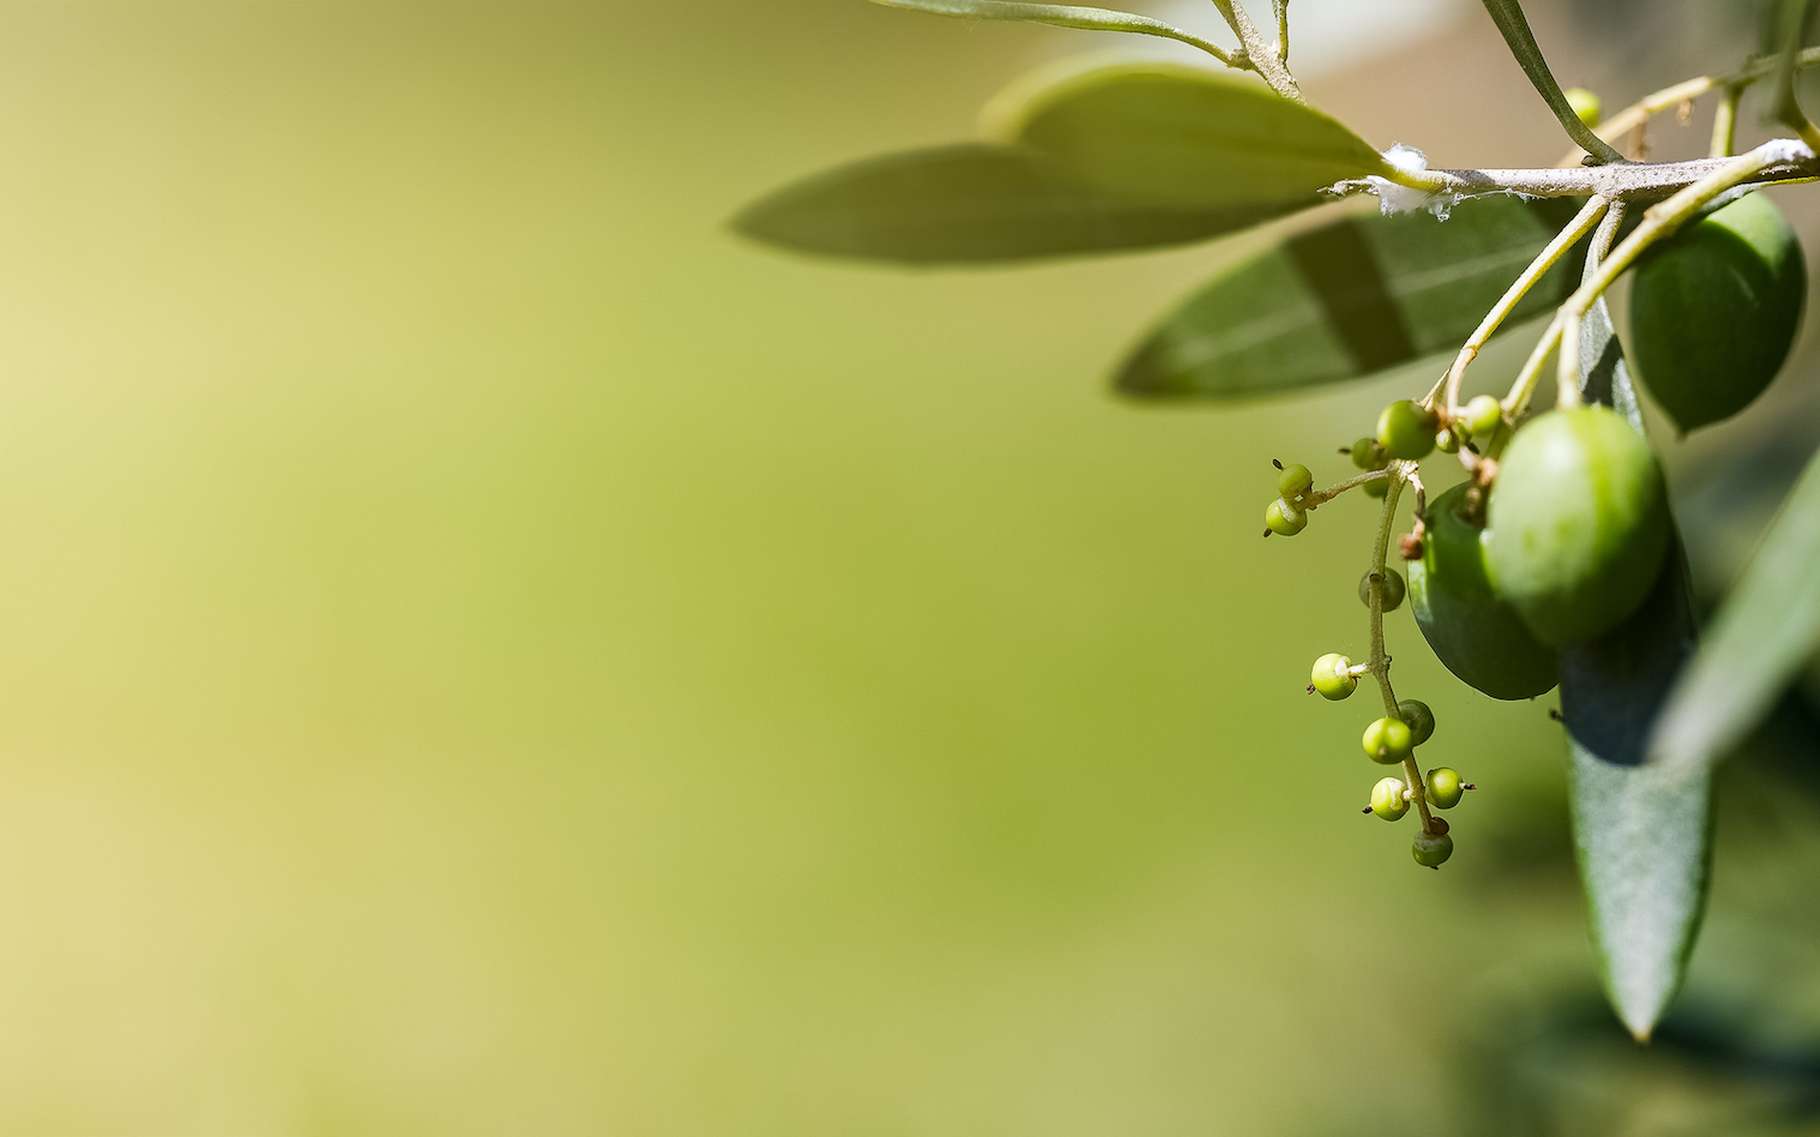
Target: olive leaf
1059,16
1642,831
1768,627
1355,295
972,204
1789,29
1179,135
1514,27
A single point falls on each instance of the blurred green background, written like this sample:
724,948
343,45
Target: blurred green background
488,652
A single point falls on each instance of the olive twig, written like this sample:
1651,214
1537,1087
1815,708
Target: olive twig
1379,663
1258,55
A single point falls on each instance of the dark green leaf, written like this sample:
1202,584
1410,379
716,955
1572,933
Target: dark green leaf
1767,629
970,204
1514,26
1354,296
1642,832
1060,16
1181,135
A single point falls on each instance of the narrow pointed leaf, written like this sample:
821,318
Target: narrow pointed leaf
1180,135
1348,298
1789,29
1642,832
1059,16
971,204
1514,26
1767,629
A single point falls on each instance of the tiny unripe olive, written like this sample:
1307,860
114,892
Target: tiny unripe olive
1284,519
1578,523
1446,441
1377,488
1332,676
1481,415
1406,429
1295,481
1421,720
1431,850
1388,741
1588,106
1368,455
1392,586
1388,798
1444,787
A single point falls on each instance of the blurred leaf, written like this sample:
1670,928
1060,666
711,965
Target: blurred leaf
1514,26
1060,16
1354,296
1789,29
1181,135
1767,630
970,204
1642,832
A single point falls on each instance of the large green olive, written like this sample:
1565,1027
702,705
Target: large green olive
1578,523
1480,638
1714,312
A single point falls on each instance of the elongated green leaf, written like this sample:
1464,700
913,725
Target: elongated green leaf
1514,26
1789,29
1179,135
1354,296
1642,832
1767,629
1060,16
971,204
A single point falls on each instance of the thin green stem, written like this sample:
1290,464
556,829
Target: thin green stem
1725,122
1282,13
1379,664
1319,497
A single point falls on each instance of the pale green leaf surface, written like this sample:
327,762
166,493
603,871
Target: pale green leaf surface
1344,300
971,204
1181,135
1767,629
1642,832
1060,16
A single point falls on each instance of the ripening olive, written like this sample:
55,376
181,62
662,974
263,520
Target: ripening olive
1715,311
1332,676
1388,800
1444,787
1368,455
1284,519
1295,481
1578,523
1388,741
1406,429
1481,415
1479,637
1421,720
1431,850
1392,586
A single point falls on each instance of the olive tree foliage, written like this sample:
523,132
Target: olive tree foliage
1556,561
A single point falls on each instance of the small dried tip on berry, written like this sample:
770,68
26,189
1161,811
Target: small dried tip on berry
1311,688
1277,462
1469,786
1556,715
1367,809
1410,547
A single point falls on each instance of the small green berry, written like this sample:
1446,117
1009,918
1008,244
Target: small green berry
1377,488
1393,586
1368,455
1446,441
1588,106
1482,415
1431,850
1406,430
1444,787
1284,519
1421,720
1295,482
1388,741
1332,676
1388,800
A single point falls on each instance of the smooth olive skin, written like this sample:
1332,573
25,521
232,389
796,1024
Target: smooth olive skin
1715,311
1578,524
1477,636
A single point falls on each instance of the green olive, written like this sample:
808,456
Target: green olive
1388,741
1587,105
1444,787
1332,676
1284,519
1295,481
1447,441
1378,488
1392,586
1714,312
1479,637
1481,415
1421,720
1368,455
1388,798
1578,523
1431,850
1407,430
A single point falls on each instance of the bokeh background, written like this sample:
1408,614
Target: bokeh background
487,651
